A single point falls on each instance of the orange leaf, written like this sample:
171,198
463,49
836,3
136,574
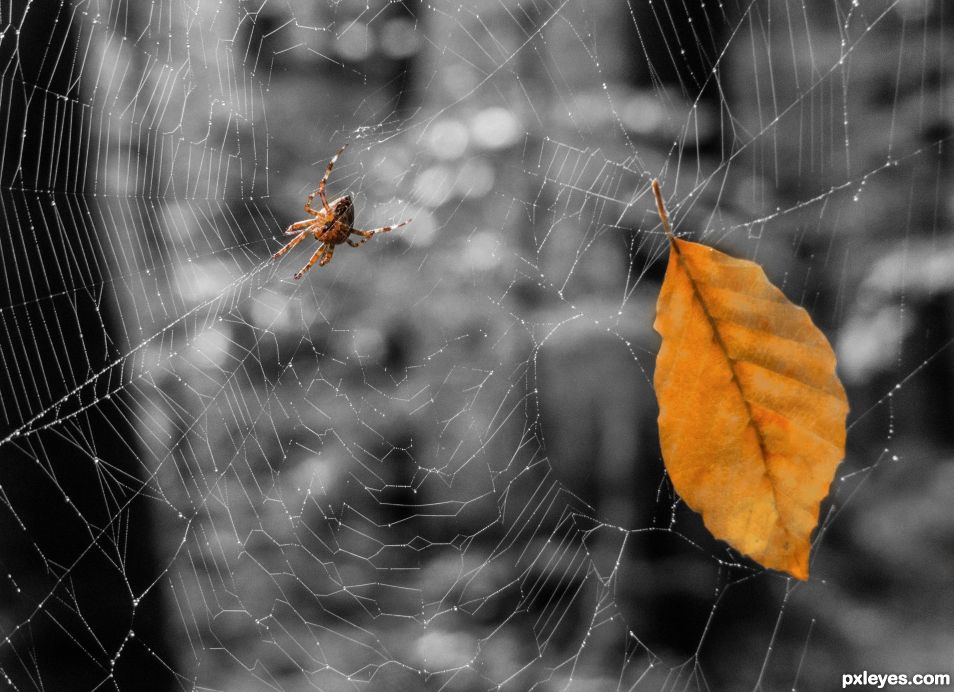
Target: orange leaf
751,412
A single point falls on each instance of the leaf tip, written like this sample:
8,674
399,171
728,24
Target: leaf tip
799,572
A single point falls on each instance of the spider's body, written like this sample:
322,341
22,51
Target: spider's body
331,224
341,222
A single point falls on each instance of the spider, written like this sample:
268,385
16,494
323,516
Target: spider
332,224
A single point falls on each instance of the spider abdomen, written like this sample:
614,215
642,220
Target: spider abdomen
344,211
337,228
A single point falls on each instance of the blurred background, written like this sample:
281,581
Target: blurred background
433,464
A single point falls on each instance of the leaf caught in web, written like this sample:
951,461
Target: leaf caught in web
751,412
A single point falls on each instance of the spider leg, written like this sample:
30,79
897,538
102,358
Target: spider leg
375,231
314,258
292,243
321,186
354,244
293,229
328,256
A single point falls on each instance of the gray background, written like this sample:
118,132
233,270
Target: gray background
433,464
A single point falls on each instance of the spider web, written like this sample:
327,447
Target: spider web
432,463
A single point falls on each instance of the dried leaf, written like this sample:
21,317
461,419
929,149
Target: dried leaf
751,412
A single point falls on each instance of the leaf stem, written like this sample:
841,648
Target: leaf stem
661,208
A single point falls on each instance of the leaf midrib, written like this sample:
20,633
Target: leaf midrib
673,242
